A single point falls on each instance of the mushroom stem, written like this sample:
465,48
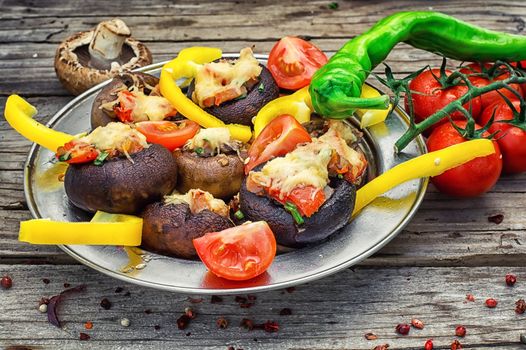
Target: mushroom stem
107,41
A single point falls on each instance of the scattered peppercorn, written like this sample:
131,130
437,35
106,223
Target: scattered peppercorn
460,331
381,347
415,322
470,297
290,289
189,312
271,326
247,323
118,290
105,304
88,325
491,303
84,336
183,321
127,294
147,311
285,312
510,279
214,299
370,336
188,334
6,282
428,345
125,322
520,306
156,327
45,280
67,285
402,328
496,219
456,345
222,322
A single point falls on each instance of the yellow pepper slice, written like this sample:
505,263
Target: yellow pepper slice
430,164
370,117
185,66
103,229
19,114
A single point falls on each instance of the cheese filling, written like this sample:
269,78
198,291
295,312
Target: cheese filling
212,141
116,137
222,81
198,201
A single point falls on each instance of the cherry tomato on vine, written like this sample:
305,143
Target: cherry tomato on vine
238,253
429,97
472,178
511,139
292,62
473,69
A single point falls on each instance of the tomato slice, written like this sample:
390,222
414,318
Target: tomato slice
238,253
77,152
169,134
293,61
123,110
279,137
308,199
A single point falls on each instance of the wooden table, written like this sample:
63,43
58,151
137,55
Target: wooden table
448,250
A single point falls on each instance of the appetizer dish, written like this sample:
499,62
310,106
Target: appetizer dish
233,160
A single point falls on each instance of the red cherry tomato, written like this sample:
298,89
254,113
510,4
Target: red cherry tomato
467,180
429,97
292,62
511,140
238,253
77,152
279,137
171,135
308,199
488,98
124,108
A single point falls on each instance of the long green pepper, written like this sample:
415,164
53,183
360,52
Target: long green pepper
335,88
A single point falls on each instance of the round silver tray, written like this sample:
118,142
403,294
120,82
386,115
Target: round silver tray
370,230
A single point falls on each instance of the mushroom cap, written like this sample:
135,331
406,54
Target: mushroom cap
77,77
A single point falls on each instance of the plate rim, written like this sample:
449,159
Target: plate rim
33,209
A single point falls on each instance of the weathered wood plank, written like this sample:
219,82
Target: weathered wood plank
360,301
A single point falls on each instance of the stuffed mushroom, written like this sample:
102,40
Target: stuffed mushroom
170,226
114,169
234,90
309,193
211,161
130,98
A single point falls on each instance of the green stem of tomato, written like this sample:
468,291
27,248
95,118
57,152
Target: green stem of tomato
456,105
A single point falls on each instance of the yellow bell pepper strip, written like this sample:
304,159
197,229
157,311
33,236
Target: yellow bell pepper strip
185,65
103,229
298,105
19,114
430,164
370,117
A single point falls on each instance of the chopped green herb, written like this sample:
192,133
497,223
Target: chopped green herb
240,97
239,215
340,176
261,87
199,150
65,157
293,210
333,5
101,158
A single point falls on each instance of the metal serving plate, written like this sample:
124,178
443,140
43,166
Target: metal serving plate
376,225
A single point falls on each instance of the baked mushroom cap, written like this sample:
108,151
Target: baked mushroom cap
109,93
241,111
334,213
89,58
221,175
170,228
122,186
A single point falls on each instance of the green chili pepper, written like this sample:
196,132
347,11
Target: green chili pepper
293,210
335,88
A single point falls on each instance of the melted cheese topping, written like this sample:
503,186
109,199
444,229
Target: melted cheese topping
198,201
115,136
338,135
222,81
211,138
150,107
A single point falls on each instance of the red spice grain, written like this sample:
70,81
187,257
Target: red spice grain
290,289
402,328
189,312
67,285
271,326
496,219
470,297
381,347
415,322
222,322
88,325
247,323
491,303
455,345
239,299
84,336
510,279
520,306
195,300
428,345
183,321
370,336
246,305
6,282
460,331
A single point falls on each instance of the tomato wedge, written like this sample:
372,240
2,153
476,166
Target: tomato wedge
308,199
293,61
238,253
75,152
279,137
169,134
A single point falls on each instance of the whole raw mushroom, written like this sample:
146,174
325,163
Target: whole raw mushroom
89,58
